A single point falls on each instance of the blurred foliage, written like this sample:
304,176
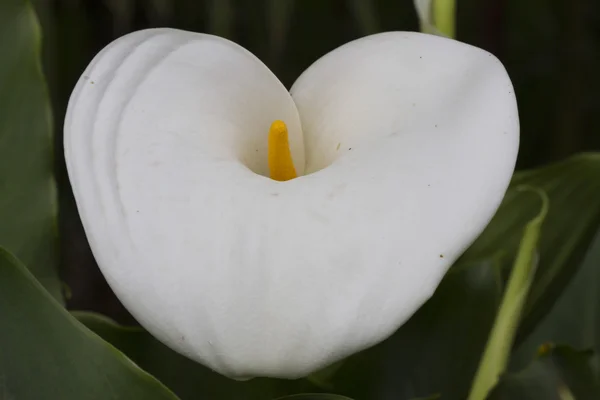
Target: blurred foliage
557,373
551,49
28,201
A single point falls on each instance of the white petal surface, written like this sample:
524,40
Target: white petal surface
254,277
422,133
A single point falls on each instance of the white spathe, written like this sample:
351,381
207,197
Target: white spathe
405,142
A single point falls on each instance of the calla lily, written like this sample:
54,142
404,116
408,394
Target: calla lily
403,145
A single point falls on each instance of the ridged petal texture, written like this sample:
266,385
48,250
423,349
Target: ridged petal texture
405,144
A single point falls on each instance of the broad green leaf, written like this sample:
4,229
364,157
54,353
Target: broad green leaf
497,351
28,205
575,318
559,373
46,354
188,379
437,350
573,187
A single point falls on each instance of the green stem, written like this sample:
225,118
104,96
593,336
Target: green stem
497,351
444,16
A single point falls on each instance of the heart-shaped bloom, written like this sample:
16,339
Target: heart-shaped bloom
403,144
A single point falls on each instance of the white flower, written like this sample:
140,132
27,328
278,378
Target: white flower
404,144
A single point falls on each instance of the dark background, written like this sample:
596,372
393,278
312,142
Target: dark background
551,49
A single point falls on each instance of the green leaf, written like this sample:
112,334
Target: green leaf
559,373
580,329
45,353
438,349
497,351
28,205
573,187
188,379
